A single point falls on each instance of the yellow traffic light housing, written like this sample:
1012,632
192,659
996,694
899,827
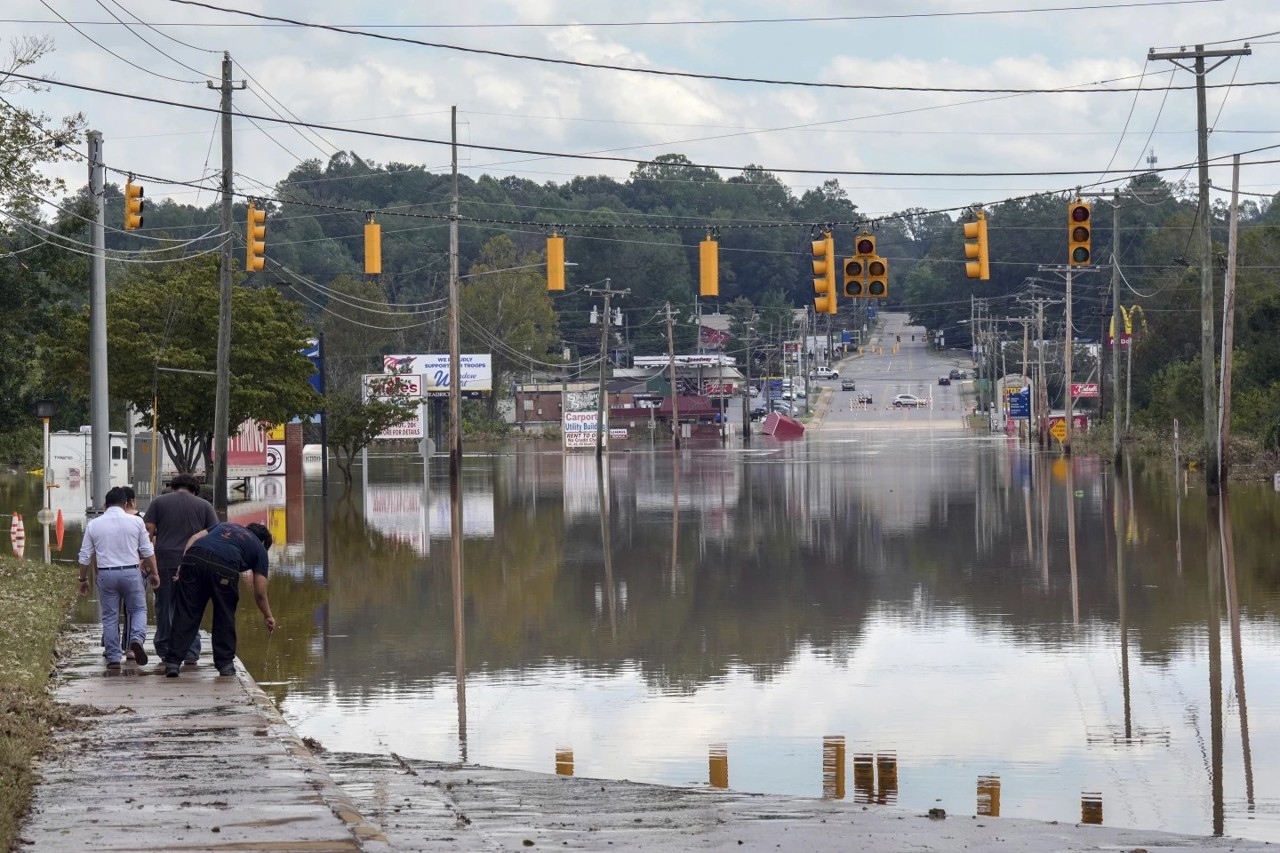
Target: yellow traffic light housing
978,265
1080,233
132,205
824,272
255,238
372,247
864,246
878,278
709,268
555,262
855,277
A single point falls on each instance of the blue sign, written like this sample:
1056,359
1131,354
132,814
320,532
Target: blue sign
312,352
871,313
846,336
1020,404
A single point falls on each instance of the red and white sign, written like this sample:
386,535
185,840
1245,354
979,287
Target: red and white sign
247,450
717,389
398,387
1085,389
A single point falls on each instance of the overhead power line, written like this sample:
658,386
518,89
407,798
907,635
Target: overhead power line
635,161
659,72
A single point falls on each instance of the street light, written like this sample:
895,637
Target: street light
45,409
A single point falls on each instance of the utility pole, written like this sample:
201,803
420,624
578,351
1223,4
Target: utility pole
1228,330
1066,382
602,408
100,450
1208,378
455,356
746,388
222,390
675,397
1042,392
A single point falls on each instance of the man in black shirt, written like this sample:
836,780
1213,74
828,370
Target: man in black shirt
171,520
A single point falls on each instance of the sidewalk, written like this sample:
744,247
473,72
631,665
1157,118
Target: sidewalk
203,762
200,762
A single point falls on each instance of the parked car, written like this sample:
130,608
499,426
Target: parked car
903,401
823,373
782,407
758,411
944,380
755,391
847,385
864,397
956,374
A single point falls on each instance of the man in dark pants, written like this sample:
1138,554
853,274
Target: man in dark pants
210,572
171,520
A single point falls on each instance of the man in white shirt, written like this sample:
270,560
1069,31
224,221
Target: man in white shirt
119,545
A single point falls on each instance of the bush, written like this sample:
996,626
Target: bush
22,448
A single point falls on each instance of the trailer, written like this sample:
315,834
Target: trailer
71,457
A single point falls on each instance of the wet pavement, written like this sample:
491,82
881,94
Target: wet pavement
207,763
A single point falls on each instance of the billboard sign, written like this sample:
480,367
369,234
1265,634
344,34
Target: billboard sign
397,387
579,430
1084,389
476,372
247,451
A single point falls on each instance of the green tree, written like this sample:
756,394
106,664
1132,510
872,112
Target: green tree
506,311
352,424
166,316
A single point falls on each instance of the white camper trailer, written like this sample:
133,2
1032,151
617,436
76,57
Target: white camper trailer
71,457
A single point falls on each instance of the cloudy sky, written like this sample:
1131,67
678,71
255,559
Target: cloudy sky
369,84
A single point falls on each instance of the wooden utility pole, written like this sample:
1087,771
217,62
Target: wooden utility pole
1228,331
99,398
602,407
222,390
671,362
1207,374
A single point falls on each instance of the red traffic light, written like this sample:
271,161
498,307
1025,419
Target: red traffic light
866,246
1080,213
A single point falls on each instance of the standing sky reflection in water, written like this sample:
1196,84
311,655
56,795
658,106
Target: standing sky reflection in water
916,602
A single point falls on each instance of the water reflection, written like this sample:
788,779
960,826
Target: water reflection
918,600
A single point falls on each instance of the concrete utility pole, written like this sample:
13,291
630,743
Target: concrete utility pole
222,390
1208,377
671,361
100,449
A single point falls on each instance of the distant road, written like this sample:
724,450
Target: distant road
912,369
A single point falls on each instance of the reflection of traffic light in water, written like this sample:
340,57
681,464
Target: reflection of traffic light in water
989,796
718,761
833,767
887,770
864,778
1091,807
875,778
564,762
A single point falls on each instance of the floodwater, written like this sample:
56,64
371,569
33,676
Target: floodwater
926,620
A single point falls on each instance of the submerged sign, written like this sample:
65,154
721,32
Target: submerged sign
580,430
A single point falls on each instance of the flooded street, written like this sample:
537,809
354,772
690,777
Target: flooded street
924,618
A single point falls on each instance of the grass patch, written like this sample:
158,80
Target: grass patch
35,599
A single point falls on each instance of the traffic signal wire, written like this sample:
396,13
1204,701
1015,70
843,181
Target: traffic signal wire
113,53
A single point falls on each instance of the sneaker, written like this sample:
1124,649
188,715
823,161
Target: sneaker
229,669
139,653
113,664
171,670
128,655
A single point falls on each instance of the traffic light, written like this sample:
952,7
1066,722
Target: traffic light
978,265
1080,225
864,246
255,238
132,205
555,262
709,267
878,277
824,271
855,277
372,247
